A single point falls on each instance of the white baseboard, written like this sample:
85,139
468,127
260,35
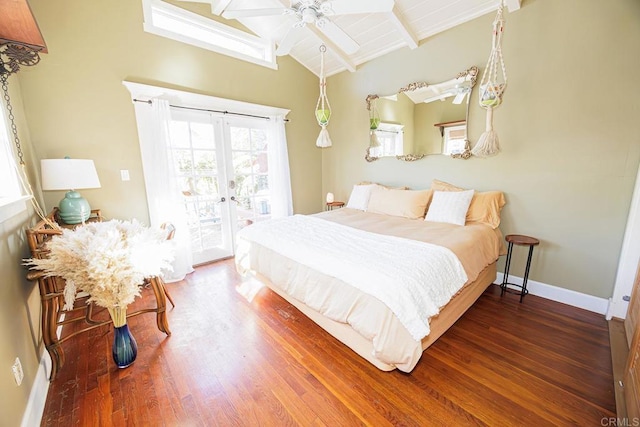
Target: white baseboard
565,296
32,416
38,397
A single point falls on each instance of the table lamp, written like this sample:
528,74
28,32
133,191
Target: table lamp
70,174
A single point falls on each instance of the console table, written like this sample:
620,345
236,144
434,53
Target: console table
52,294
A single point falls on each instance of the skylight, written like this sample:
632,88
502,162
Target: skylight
169,21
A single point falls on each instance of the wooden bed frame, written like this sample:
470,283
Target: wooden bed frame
439,324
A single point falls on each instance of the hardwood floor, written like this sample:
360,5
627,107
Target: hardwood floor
234,361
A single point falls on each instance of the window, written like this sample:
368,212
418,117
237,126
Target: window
391,139
12,201
169,21
455,139
10,188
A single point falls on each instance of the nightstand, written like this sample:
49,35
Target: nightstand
332,205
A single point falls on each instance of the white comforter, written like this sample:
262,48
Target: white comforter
412,278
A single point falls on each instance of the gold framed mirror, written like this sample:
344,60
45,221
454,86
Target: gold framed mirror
422,119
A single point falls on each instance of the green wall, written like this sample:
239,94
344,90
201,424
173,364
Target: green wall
76,104
569,129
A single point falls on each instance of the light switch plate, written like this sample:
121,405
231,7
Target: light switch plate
124,174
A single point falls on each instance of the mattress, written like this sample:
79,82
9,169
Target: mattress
362,322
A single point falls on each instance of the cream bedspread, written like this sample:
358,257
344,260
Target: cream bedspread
414,279
476,246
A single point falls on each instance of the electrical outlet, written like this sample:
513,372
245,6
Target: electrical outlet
18,375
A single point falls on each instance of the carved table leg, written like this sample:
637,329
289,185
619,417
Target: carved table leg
157,284
49,324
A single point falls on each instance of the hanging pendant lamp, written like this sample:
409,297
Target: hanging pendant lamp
323,108
492,87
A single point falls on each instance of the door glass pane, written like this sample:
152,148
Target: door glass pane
206,186
184,161
195,159
201,135
251,167
260,162
242,162
179,131
205,162
240,139
259,139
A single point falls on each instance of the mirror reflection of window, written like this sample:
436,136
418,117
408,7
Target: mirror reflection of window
454,139
391,139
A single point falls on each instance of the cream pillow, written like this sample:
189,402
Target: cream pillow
359,198
485,206
449,206
405,203
444,186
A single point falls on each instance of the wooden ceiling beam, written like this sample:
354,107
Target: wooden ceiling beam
333,49
219,6
401,25
513,5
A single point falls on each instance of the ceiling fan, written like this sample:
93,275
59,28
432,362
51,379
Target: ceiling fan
317,12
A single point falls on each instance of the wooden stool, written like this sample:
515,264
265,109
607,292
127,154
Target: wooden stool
521,240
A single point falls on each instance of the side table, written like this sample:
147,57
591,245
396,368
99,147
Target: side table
521,240
332,205
52,294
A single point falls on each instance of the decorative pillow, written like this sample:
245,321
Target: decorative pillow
444,186
359,198
405,203
485,206
382,185
449,206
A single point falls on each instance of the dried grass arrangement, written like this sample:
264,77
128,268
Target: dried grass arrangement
108,260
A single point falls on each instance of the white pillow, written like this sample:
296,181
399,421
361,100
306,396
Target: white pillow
449,206
359,198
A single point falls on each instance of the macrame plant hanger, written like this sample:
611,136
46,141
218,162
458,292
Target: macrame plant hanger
323,108
492,87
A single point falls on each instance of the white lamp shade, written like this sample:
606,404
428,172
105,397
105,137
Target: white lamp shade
68,174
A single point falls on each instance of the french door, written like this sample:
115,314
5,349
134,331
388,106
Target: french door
223,169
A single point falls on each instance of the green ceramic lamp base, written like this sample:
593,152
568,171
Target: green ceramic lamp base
74,209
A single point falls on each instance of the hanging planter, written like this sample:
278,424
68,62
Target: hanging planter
374,122
492,87
323,108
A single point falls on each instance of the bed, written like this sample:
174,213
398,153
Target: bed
323,264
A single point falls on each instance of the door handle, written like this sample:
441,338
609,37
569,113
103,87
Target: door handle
222,200
234,199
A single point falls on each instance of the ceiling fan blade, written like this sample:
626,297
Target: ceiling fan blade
248,13
346,7
289,40
459,98
338,36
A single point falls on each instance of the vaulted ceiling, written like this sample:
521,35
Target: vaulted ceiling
406,24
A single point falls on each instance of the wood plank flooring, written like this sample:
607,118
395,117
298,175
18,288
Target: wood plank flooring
257,361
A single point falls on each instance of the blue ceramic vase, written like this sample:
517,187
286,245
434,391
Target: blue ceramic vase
125,347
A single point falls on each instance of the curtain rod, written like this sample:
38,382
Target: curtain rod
210,111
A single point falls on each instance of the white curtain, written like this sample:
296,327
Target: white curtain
163,191
279,176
